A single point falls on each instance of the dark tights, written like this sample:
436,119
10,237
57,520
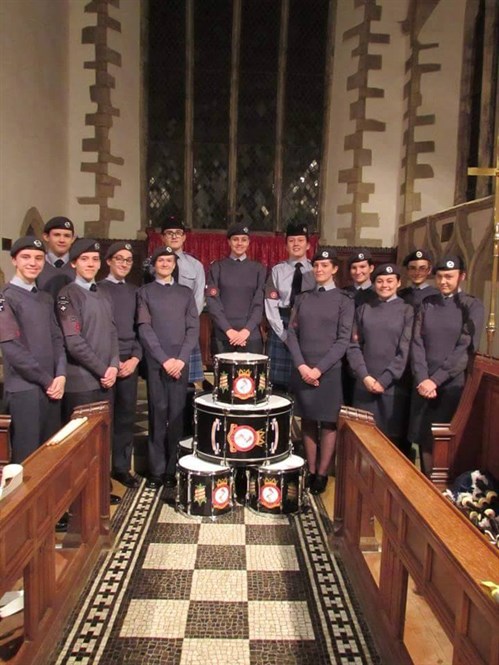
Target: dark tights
319,440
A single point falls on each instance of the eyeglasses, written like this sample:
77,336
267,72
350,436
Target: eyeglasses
173,234
120,260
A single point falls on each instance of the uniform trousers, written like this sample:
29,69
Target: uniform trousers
35,418
168,396
72,400
125,405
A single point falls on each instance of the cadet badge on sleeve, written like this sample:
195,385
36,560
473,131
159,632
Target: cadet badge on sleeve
62,303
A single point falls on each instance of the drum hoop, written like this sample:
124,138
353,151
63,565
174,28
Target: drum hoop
219,359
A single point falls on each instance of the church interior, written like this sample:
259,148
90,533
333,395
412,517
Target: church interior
373,122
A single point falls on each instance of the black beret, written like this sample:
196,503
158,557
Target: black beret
323,253
386,269
59,223
172,223
451,262
239,229
417,255
294,229
363,255
27,242
117,247
81,246
162,251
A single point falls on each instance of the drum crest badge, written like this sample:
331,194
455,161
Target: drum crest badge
224,381
242,438
244,384
200,494
221,494
270,493
262,382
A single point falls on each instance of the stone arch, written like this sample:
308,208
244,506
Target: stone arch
32,223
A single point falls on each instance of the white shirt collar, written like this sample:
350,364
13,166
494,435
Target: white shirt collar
17,281
83,283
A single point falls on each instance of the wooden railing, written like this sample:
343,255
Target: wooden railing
74,476
423,536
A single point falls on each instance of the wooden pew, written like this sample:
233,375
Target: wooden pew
470,441
74,475
4,439
423,536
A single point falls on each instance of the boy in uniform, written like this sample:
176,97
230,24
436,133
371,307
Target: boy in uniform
286,280
58,234
168,324
123,297
86,317
33,352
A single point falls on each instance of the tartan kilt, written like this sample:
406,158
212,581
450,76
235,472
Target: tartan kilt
196,365
281,363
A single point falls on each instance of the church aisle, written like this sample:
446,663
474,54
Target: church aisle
250,589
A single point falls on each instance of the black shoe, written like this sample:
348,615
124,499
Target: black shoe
310,480
125,478
115,499
154,483
170,480
319,485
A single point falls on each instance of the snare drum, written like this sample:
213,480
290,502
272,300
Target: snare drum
276,488
241,378
242,434
204,489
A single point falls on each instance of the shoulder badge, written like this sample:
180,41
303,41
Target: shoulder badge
62,303
211,291
2,303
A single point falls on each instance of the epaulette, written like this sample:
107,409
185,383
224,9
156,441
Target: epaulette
347,293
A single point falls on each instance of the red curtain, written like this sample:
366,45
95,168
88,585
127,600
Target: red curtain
208,247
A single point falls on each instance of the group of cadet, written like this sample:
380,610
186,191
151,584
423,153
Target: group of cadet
401,354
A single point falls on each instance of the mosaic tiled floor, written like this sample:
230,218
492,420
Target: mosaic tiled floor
247,589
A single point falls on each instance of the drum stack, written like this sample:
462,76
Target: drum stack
241,431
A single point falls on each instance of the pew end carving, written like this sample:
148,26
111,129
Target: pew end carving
469,441
72,476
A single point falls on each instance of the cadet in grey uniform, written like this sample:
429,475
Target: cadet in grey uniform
318,337
33,352
189,272
447,332
379,354
123,297
286,280
360,267
58,234
234,297
419,268
168,324
86,317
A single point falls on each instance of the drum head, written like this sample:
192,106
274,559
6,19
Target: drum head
274,403
237,358
291,462
194,463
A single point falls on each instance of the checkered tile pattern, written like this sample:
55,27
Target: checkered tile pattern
249,588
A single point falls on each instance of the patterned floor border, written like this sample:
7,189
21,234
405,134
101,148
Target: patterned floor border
346,639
